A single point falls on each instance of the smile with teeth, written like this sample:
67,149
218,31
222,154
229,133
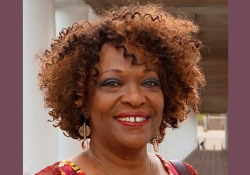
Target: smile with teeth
132,119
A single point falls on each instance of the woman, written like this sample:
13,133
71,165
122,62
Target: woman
119,81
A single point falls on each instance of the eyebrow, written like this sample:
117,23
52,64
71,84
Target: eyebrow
120,71
111,70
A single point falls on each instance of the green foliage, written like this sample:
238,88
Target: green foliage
200,116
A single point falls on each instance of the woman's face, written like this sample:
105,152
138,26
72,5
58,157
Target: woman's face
125,106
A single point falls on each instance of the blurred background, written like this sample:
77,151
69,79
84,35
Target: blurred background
201,140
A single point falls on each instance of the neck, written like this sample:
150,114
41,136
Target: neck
116,156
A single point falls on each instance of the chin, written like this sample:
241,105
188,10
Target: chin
134,142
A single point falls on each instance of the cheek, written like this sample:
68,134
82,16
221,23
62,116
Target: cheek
158,102
162,101
101,105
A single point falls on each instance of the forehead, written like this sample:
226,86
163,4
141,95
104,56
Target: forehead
111,57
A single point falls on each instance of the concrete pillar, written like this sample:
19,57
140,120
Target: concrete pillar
39,137
68,12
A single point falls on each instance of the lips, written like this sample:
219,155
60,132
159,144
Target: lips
133,118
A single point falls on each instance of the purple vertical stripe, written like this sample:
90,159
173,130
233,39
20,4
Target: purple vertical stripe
11,87
239,87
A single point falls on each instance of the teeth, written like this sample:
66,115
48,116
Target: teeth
132,119
137,119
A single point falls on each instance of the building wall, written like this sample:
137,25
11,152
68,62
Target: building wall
216,122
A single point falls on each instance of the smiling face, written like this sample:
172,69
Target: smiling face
125,106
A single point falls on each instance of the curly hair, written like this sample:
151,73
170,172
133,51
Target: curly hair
169,40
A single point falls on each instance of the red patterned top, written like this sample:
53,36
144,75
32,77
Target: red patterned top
66,167
171,169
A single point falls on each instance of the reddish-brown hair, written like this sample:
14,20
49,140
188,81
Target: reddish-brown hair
168,40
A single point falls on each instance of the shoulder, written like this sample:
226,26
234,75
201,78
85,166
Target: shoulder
49,170
61,168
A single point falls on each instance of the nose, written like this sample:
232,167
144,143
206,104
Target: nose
133,96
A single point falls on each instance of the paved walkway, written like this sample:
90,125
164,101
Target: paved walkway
215,139
208,162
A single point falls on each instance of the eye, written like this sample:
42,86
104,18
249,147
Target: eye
151,83
111,82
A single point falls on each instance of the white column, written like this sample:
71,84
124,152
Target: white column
68,12
39,137
226,130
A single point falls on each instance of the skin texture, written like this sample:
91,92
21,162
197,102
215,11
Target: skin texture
122,148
